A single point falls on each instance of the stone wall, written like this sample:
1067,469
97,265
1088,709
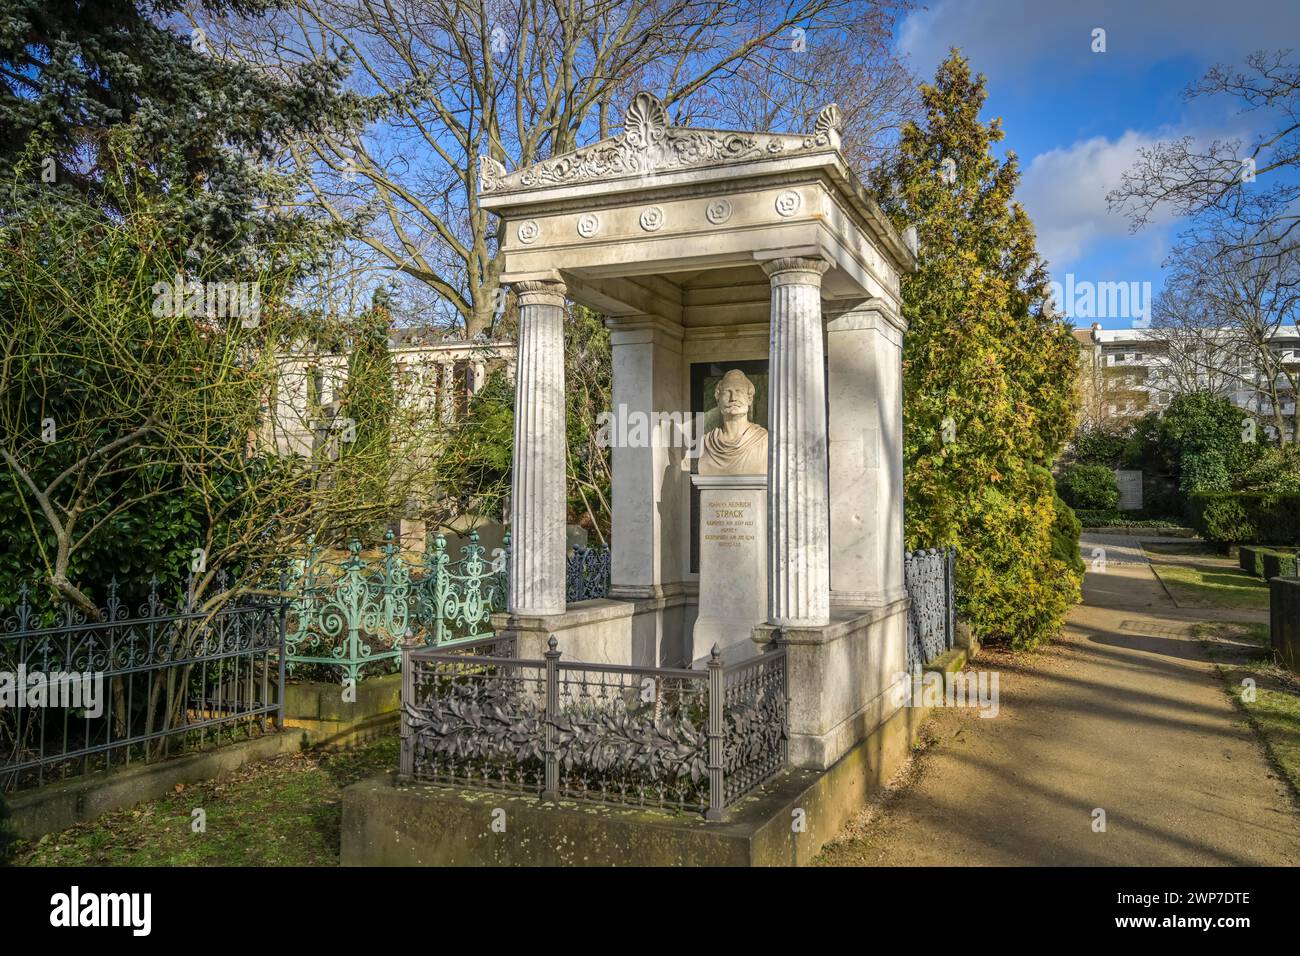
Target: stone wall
843,679
369,710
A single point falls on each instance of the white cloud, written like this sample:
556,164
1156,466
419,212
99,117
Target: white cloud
1036,48
1064,192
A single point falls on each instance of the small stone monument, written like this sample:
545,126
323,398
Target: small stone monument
732,480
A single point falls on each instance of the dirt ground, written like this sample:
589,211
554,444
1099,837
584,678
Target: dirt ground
1125,715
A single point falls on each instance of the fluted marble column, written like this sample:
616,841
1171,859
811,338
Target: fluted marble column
537,499
448,391
798,567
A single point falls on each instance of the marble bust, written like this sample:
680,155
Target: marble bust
737,446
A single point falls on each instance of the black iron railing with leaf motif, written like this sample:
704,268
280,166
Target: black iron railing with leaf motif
676,738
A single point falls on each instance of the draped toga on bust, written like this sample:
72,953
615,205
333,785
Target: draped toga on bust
746,455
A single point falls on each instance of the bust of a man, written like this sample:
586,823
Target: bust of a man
737,446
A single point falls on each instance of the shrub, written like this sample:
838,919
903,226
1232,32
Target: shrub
1089,486
1200,438
1065,536
1276,470
1103,445
474,464
1279,564
1232,517
1267,563
1113,517
1005,596
1251,560
1204,470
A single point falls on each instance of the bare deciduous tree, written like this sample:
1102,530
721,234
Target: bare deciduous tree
446,82
1252,184
127,402
1221,314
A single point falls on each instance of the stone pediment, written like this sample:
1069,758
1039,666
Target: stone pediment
649,145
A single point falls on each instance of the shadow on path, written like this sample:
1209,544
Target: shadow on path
1122,714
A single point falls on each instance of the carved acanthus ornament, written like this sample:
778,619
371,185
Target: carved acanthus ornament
649,145
490,174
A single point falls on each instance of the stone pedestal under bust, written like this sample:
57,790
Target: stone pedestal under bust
733,562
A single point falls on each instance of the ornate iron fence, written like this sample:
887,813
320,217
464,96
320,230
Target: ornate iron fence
136,687
694,740
930,576
457,599
351,613
356,614
586,574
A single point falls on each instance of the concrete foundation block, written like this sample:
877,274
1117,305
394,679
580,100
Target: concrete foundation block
334,721
785,823
601,631
844,679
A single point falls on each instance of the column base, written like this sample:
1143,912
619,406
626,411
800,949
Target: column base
864,599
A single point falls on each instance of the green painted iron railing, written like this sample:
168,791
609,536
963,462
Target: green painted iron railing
354,615
461,595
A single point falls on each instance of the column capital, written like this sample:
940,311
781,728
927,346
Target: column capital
540,292
848,315
795,270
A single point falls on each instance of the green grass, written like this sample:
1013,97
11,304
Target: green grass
1236,642
1242,654
1277,719
280,812
1199,577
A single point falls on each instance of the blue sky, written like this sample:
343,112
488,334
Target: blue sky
1077,118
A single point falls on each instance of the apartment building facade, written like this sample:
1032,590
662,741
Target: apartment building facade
1126,373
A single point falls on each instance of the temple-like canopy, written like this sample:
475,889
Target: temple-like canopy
671,220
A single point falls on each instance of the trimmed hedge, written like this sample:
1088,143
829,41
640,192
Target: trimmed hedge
1266,563
1088,486
1235,517
1279,565
1114,518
